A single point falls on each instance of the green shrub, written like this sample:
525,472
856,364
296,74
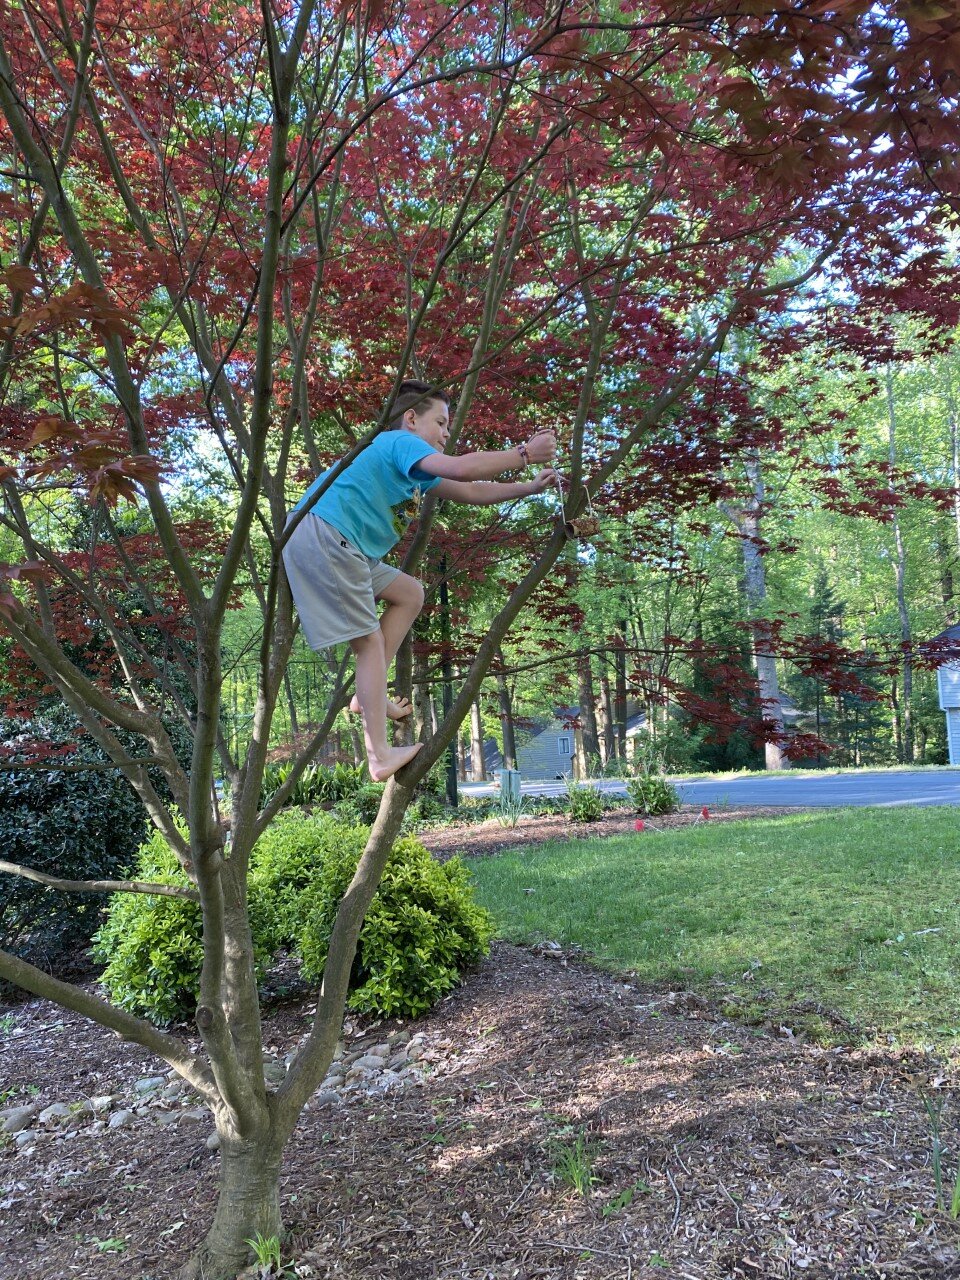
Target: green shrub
318,784
652,794
423,926
287,861
360,808
586,802
81,825
151,946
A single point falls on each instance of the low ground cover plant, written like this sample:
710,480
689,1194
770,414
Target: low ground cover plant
848,918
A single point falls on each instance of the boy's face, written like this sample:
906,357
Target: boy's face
431,424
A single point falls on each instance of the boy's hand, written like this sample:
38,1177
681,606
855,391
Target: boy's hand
543,479
542,447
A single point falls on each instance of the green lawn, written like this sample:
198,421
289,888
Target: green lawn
855,909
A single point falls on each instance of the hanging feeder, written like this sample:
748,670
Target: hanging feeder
584,526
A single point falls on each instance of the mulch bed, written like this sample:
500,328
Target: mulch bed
718,1151
489,837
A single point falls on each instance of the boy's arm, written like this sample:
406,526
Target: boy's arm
488,493
485,466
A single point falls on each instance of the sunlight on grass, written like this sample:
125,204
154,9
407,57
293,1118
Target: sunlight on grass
857,909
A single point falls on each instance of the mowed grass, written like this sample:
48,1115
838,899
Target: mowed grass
857,910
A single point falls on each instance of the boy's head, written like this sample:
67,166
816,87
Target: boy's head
422,409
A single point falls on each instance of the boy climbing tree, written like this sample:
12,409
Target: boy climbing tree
346,522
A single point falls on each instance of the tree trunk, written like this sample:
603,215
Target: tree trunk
606,718
620,700
755,582
905,752
478,766
422,710
506,719
947,589
461,758
590,736
248,1204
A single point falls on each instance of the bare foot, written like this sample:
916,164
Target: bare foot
385,766
395,710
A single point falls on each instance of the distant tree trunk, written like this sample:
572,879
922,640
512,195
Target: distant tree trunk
422,709
945,563
954,419
506,720
620,698
478,766
904,751
590,738
356,745
897,719
606,718
291,703
455,767
747,521
461,757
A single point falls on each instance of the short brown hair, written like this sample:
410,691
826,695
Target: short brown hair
413,395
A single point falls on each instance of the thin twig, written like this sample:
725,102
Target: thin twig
676,1212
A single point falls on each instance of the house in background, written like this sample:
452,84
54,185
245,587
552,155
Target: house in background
550,749
944,649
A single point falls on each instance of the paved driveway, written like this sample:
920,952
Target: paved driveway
883,787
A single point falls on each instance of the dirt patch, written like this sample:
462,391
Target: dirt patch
482,839
705,1150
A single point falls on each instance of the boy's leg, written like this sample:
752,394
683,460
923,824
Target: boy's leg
384,760
404,597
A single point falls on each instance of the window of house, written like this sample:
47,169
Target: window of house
563,745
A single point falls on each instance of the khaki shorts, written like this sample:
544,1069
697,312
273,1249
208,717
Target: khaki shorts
334,585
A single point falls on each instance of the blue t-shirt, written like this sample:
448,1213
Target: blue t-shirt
373,501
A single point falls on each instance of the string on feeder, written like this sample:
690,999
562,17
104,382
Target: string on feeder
586,526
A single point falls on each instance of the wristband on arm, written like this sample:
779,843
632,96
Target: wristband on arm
524,454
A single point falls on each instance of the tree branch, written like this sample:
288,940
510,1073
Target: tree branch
100,886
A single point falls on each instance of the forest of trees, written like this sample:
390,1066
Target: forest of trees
854,545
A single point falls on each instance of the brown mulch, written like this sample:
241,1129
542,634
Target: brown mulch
489,837
717,1151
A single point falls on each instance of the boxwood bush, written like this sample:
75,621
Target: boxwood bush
422,929
423,926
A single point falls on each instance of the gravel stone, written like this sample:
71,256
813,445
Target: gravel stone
16,1119
369,1062
213,1141
56,1111
120,1119
149,1083
327,1098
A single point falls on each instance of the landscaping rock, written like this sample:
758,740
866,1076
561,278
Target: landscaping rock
194,1116
327,1098
16,1119
93,1106
25,1138
369,1062
149,1084
55,1112
213,1142
120,1119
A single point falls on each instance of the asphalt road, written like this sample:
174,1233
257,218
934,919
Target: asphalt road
883,787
